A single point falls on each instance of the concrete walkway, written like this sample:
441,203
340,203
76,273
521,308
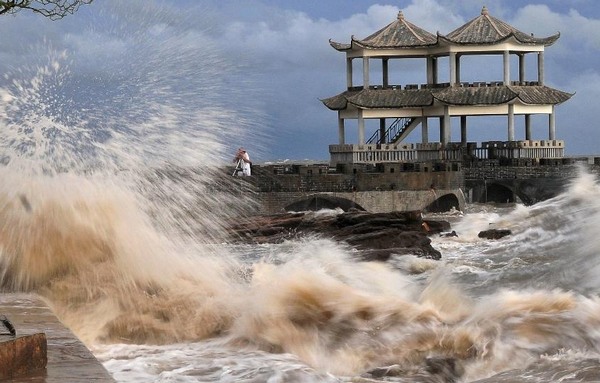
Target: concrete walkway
68,359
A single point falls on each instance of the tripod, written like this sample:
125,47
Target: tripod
238,167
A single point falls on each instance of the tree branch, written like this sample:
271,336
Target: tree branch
52,9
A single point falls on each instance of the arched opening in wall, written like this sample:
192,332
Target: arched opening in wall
498,193
443,204
318,202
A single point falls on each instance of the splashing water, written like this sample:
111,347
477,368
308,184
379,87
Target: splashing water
112,198
112,209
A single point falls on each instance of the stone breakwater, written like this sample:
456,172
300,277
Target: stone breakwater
68,358
376,236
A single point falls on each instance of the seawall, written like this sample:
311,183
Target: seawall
68,358
374,201
432,187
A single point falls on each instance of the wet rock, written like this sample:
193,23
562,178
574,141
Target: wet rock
380,372
434,370
494,233
448,368
376,235
448,235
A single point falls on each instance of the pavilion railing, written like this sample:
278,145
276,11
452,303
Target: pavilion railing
435,151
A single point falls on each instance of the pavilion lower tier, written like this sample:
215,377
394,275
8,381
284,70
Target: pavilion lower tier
436,151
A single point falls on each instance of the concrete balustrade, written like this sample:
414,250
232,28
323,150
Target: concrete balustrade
456,151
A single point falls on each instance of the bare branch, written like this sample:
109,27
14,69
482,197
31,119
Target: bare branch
52,9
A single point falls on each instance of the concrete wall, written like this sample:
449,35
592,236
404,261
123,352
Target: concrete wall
406,186
530,184
385,188
387,177
373,201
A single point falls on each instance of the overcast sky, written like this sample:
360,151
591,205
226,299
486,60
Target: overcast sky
269,62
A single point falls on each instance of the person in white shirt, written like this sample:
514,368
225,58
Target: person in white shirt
243,160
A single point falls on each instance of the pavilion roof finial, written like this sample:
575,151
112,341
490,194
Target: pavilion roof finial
400,16
484,11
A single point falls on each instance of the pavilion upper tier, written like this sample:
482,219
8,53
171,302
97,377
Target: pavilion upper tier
484,34
482,30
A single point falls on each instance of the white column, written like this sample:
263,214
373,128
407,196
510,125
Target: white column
457,69
552,125
361,128
522,68
382,138
511,122
424,131
349,72
366,72
452,60
442,131
445,133
341,131
385,72
430,70
541,68
528,126
506,68
463,130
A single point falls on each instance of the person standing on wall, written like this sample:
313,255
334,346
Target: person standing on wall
243,162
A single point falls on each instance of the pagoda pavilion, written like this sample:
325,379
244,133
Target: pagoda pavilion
396,110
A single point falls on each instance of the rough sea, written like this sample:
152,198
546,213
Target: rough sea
158,296
113,207
523,308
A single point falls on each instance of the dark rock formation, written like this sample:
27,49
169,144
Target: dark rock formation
448,235
380,372
435,369
449,369
494,233
377,235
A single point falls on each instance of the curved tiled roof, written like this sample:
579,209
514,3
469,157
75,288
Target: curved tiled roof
338,102
339,46
380,98
540,95
398,34
407,98
486,29
391,98
494,95
482,30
